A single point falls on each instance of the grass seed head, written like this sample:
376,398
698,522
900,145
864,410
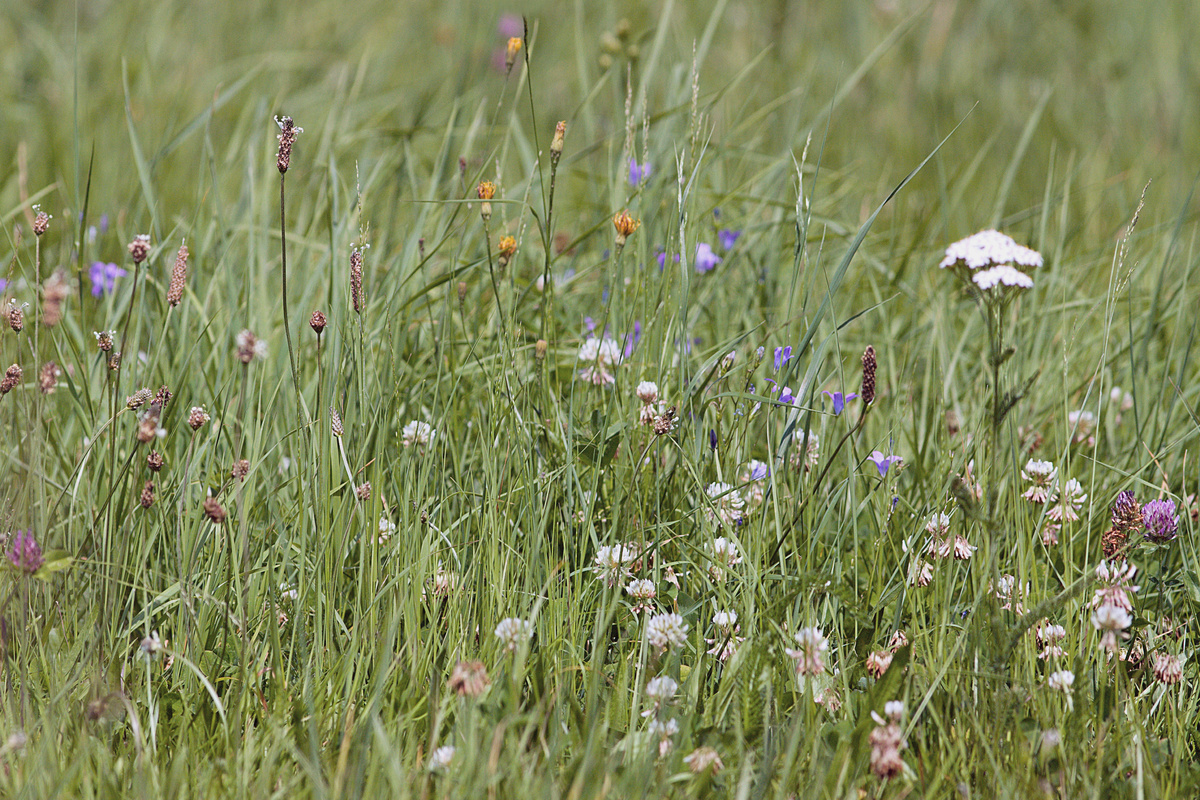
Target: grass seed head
178,277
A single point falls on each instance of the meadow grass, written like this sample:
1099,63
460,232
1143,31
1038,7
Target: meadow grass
453,543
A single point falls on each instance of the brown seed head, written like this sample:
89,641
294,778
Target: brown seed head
556,144
48,377
868,376
138,398
147,499
356,280
241,468
162,397
16,315
197,417
139,248
318,322
154,461
213,510
55,291
462,291
363,490
249,346
41,223
148,425
1126,512
539,349
469,679
104,340
287,137
178,277
12,377
114,361
335,422
511,51
625,225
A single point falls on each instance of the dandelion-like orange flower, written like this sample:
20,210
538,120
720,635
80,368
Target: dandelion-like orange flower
510,53
625,225
486,190
506,248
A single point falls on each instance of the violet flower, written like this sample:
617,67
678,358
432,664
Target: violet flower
782,356
883,463
25,554
638,172
839,400
706,259
728,238
1160,520
104,277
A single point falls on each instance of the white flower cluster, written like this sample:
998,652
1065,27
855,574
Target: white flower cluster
599,354
993,258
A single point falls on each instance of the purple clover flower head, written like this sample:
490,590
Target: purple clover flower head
728,238
706,259
104,277
638,172
883,463
25,554
1160,520
782,356
839,400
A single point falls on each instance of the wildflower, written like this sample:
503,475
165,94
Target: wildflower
139,248
989,248
884,463
197,417
1083,423
41,223
812,452
724,555
54,293
214,510
869,365
138,398
1160,520
559,141
16,315
728,238
1112,621
387,529
638,173
287,137
599,354
726,640
643,592
506,248
152,645
318,322
1117,586
886,742
1041,474
12,377
878,662
782,356
625,225
249,346
1126,512
1061,681
1048,637
706,259
727,504
1002,276
469,679
666,630
511,51
485,192
335,422
1007,590
839,400
442,758
1072,497
1167,669
894,710
147,497
612,563
647,392
665,422
25,553
664,731
417,434
445,581
178,277
513,633
104,340
808,656
48,377
704,759
104,277
659,691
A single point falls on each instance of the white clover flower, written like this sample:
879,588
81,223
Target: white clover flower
417,434
989,248
809,655
729,504
659,691
938,525
894,709
641,589
441,758
1048,638
1041,474
1118,585
599,355
1071,498
725,620
647,392
386,529
1112,622
724,555
1002,276
1061,681
702,759
612,563
513,633
664,731
1084,425
666,630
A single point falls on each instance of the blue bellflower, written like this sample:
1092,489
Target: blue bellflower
839,400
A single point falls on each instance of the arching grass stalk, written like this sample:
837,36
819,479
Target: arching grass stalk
287,138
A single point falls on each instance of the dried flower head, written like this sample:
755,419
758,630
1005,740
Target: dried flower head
363,491
178,277
704,759
214,510
318,322
154,461
197,417
287,137
148,425
469,679
16,315
878,663
12,377
335,422
1167,669
147,498
1126,512
139,248
241,468
138,398
54,293
867,393
41,222
886,742
511,50
104,340
249,346
556,144
48,377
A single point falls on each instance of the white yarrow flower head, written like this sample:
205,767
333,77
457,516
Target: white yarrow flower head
666,630
513,633
417,434
1003,277
441,759
810,650
988,249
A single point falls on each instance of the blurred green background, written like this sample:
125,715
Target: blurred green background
1108,89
